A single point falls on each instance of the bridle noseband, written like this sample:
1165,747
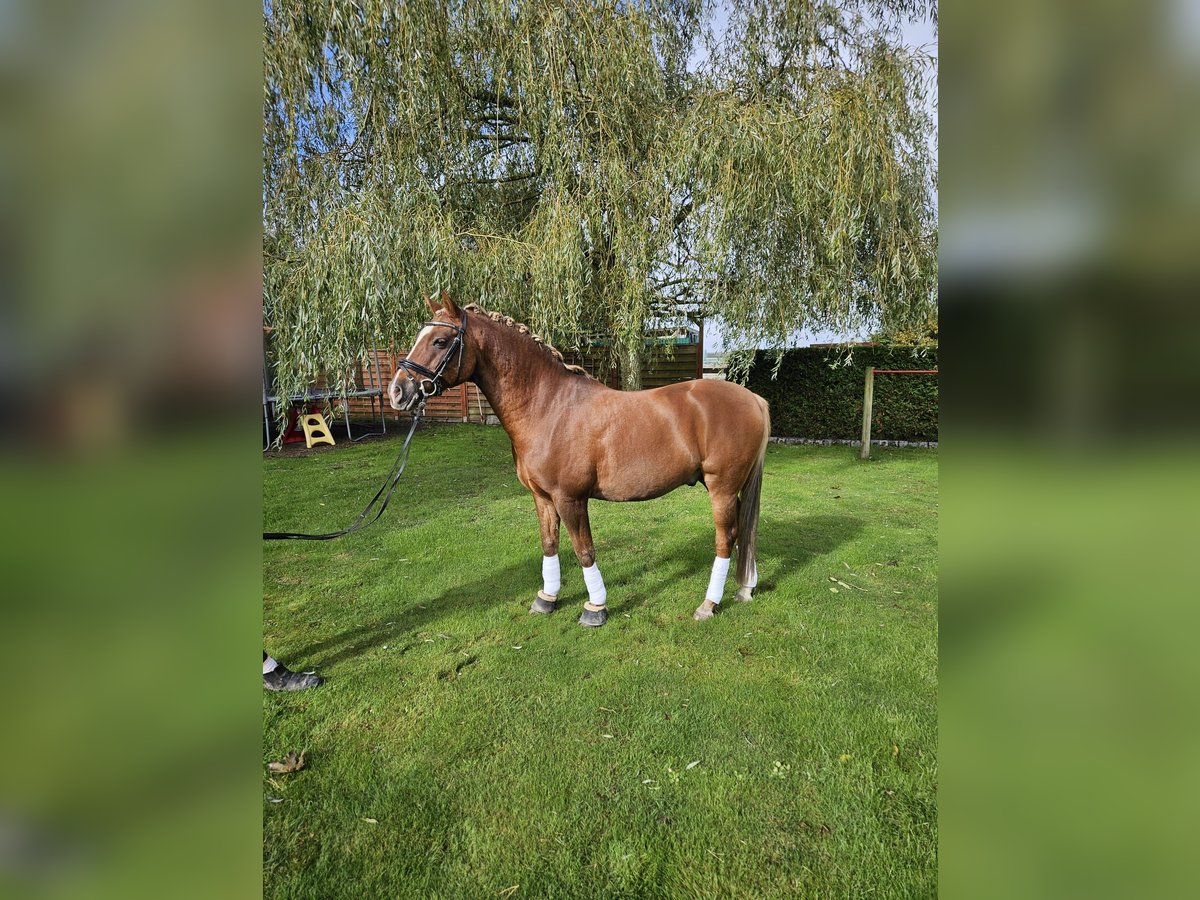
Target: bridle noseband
429,381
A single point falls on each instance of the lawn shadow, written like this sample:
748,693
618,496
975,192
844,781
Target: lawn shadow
783,548
412,618
786,546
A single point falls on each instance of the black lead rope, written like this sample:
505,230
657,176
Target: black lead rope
432,377
386,490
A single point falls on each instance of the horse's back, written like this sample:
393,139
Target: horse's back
709,390
722,404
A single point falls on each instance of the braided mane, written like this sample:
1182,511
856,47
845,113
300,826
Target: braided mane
524,329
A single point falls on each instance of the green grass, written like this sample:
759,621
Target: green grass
497,749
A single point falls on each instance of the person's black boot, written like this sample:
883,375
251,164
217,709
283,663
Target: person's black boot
281,678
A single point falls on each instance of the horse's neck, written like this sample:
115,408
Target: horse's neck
516,375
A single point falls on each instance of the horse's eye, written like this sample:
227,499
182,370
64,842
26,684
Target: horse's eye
439,342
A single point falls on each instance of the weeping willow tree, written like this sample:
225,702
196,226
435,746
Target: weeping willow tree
589,168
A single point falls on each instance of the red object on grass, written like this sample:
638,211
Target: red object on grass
294,433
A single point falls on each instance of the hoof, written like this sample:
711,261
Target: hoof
743,595
704,611
593,618
543,604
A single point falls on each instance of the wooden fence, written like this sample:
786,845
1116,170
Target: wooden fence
465,403
461,404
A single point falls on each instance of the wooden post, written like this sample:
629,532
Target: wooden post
868,398
463,408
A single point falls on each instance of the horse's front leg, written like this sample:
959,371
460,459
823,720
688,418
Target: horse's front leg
575,516
551,577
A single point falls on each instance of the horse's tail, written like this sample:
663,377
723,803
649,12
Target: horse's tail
748,502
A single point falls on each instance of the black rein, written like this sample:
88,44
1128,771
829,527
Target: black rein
432,377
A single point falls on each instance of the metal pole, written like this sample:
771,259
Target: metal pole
382,390
266,406
266,424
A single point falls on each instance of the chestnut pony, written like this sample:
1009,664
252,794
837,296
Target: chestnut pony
575,440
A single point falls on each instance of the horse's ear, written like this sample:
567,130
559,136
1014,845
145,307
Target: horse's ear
449,304
433,307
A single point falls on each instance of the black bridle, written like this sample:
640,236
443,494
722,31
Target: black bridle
429,381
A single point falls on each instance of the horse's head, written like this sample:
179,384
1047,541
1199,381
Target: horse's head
440,357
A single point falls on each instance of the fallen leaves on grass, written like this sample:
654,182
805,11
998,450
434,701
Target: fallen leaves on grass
370,821
692,764
293,762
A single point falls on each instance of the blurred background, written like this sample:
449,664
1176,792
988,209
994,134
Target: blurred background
130,208
1069,205
130,612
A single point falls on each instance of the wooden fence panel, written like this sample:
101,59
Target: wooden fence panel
465,403
460,404
683,366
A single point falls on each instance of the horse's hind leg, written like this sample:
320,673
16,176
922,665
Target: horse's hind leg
551,576
724,505
575,516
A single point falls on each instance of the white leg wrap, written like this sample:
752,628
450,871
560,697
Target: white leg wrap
716,582
753,582
595,585
269,665
551,575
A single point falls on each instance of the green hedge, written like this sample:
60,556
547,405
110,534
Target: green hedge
809,399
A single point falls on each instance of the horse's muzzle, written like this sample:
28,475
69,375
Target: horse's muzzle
401,392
